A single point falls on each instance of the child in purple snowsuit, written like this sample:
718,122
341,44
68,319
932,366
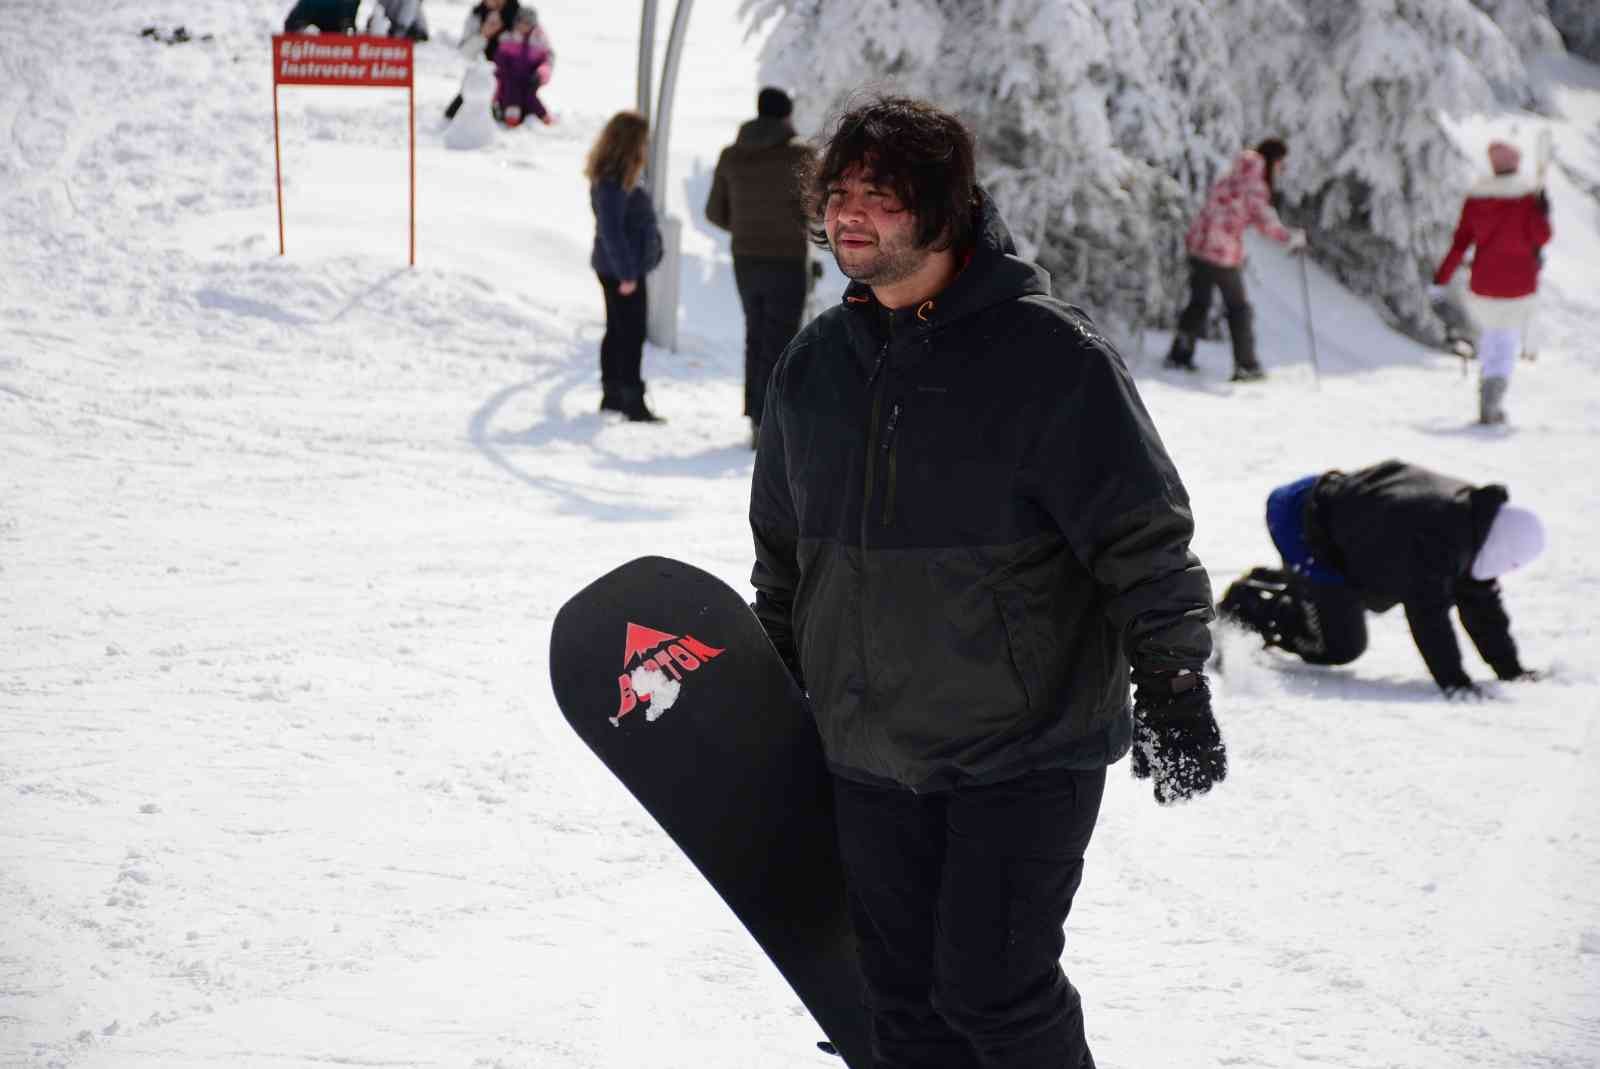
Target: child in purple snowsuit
522,64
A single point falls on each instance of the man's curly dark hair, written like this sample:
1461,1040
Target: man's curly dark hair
921,152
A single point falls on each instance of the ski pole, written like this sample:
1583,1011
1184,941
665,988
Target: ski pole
1311,333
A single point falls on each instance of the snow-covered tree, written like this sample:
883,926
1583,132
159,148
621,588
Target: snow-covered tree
1362,86
1101,124
1578,22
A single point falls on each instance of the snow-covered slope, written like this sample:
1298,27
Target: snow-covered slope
281,779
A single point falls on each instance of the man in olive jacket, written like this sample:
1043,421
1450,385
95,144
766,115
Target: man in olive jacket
756,196
966,527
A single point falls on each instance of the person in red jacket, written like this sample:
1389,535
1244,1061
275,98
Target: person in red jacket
1507,217
1241,199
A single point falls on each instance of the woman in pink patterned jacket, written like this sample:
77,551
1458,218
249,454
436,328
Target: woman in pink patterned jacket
1241,199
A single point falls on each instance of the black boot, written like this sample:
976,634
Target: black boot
1264,602
610,397
633,406
1242,333
1181,355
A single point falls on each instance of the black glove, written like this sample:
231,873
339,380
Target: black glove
1464,692
1544,203
1175,737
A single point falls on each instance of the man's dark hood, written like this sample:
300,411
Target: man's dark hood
765,132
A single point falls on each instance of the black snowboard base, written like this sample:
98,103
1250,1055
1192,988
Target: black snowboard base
666,674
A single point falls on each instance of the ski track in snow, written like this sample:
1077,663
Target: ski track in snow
281,779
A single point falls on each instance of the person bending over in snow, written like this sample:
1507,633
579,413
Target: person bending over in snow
966,528
1508,218
522,64
1393,533
399,18
1215,240
326,16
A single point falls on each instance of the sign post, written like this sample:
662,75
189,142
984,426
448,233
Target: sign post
336,59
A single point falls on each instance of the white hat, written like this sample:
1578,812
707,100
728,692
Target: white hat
1515,537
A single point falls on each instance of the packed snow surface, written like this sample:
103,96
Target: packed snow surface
282,782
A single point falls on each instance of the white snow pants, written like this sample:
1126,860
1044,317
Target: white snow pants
1498,349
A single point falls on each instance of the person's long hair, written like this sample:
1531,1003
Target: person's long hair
1272,150
619,152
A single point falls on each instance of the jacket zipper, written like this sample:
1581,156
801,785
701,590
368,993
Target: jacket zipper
893,454
878,389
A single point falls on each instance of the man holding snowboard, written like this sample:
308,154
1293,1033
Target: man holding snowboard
967,531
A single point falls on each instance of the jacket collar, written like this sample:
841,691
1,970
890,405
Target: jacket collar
765,131
1507,186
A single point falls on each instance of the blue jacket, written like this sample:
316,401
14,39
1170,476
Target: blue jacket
1286,522
627,240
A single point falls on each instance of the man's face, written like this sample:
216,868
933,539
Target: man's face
872,235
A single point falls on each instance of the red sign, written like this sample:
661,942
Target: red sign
334,59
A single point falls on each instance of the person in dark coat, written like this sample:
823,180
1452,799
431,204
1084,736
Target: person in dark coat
327,16
1391,534
756,196
966,527
627,246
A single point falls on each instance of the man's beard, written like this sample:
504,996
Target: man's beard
885,266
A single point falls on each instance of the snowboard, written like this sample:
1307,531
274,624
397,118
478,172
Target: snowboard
667,675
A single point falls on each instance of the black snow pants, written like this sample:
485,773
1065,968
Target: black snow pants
958,900
773,293
1204,277
1335,623
622,346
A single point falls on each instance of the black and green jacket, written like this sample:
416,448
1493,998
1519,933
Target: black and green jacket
966,527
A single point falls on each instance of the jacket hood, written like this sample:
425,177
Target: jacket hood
1509,186
992,274
765,132
1484,503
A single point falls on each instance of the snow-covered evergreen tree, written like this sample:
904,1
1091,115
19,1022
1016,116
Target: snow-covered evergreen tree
1102,124
1578,22
1361,86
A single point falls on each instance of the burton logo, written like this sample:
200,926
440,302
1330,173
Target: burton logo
659,655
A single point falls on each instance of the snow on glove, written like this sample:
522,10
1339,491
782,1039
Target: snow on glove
1175,738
